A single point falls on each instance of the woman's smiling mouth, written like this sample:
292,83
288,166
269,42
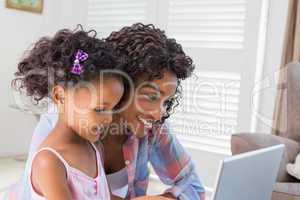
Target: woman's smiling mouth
146,123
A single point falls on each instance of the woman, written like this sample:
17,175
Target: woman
138,134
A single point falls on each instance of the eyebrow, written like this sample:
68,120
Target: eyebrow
103,104
153,87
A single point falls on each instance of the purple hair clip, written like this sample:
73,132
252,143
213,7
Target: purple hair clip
80,56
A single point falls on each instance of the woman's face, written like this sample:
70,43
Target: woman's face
148,104
89,107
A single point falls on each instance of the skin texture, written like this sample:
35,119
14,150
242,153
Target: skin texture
71,139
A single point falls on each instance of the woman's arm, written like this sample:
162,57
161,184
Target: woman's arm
174,167
43,128
49,178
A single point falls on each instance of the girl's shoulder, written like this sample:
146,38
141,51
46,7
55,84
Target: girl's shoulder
47,158
50,157
47,169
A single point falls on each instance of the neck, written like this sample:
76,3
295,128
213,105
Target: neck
66,133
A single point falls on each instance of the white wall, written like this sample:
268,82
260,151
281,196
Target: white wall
18,30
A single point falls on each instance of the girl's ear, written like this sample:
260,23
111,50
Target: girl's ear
58,95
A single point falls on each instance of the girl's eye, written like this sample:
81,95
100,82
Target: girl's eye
99,110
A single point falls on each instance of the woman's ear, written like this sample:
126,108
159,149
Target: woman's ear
58,95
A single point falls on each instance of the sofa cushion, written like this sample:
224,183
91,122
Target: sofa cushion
244,142
286,191
284,196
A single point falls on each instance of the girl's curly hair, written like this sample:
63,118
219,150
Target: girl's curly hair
50,60
149,53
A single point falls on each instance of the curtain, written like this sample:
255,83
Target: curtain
291,52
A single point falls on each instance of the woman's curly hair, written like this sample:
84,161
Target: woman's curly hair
50,60
149,53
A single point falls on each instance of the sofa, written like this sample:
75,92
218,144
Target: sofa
286,187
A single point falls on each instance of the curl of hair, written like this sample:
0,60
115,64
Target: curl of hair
49,61
150,53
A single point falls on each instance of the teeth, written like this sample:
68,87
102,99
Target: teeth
145,122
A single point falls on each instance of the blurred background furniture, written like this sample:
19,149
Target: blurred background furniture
287,187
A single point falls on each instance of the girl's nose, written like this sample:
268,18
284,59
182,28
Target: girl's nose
108,118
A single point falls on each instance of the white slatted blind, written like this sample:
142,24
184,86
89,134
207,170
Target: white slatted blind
211,100
210,104
208,114
106,16
208,23
221,37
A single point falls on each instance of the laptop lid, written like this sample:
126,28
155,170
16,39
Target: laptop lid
248,176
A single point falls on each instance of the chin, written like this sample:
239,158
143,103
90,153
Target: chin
140,135
93,138
138,129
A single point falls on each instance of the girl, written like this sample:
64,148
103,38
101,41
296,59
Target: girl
69,68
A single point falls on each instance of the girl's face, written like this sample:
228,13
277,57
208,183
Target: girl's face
88,107
149,103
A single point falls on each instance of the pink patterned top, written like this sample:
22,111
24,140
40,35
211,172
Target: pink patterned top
82,186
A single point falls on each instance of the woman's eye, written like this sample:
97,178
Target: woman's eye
152,97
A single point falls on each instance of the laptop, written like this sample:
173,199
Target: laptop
248,176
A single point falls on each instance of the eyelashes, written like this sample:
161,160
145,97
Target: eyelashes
152,97
104,111
100,110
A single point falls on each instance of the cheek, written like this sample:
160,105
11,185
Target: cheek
86,123
95,118
81,121
130,109
145,106
129,113
82,105
82,100
77,114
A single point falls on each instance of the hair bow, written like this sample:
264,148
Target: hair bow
80,56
